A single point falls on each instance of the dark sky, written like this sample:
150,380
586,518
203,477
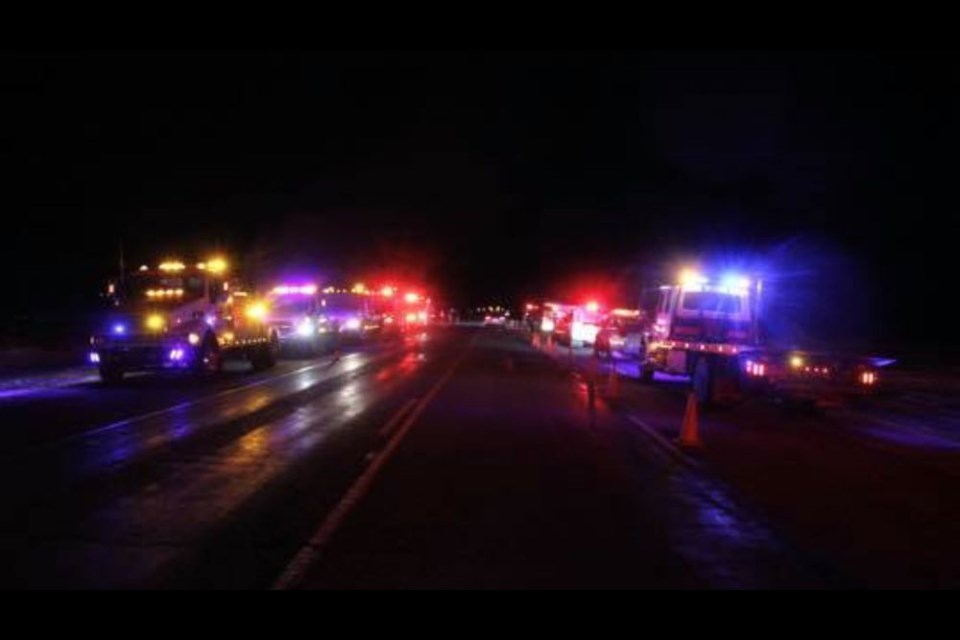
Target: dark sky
497,175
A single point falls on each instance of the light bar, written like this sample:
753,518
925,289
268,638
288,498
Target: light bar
305,290
172,265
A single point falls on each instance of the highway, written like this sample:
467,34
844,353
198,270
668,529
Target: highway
464,457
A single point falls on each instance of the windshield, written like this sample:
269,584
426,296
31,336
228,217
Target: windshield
342,301
290,305
712,302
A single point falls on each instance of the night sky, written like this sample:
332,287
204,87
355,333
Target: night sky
496,176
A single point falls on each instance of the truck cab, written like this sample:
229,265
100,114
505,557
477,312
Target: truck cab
180,317
293,313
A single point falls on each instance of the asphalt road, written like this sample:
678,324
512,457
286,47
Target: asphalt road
464,458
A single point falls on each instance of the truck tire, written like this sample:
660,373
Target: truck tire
111,374
646,373
209,357
702,380
264,356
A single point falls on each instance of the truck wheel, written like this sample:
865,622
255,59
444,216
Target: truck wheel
111,374
646,374
702,381
265,356
209,359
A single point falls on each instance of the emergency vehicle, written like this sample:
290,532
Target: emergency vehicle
346,314
181,317
414,311
293,313
708,329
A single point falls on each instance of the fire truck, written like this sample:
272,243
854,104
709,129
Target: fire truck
181,317
708,329
414,310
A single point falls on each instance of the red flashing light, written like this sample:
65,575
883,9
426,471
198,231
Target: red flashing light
412,297
593,306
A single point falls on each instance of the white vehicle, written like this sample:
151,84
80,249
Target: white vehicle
708,329
293,312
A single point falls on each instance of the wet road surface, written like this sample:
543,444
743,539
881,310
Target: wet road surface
460,458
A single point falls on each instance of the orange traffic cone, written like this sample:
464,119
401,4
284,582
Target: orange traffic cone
690,431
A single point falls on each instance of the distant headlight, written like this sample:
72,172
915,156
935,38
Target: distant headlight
193,339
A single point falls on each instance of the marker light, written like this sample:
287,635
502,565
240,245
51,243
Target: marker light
412,297
193,339
422,316
796,362
119,329
172,265
144,267
155,322
217,265
257,311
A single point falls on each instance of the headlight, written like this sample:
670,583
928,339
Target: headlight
193,339
155,322
305,329
352,324
257,311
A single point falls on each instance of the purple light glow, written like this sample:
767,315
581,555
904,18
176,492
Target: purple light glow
303,289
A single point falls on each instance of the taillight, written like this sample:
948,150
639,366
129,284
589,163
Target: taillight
756,369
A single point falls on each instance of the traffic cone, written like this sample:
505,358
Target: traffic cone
690,431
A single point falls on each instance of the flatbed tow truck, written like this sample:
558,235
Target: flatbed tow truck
709,330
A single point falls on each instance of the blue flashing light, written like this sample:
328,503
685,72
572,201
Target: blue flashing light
119,329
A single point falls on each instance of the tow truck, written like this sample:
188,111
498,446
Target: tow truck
181,317
708,329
